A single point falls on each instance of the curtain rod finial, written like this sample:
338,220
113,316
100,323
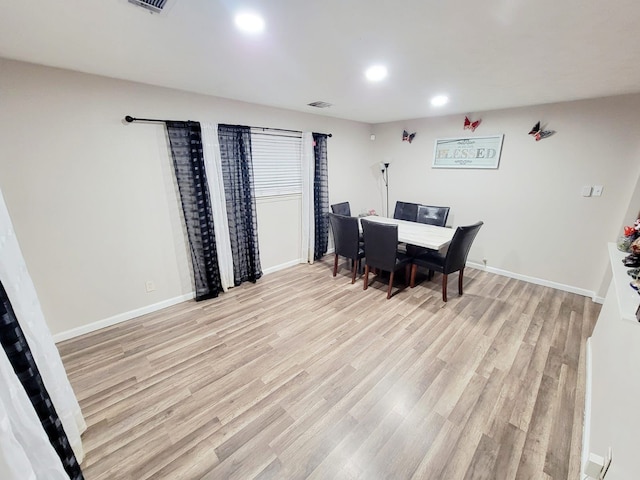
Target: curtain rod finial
129,118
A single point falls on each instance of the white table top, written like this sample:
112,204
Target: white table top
420,234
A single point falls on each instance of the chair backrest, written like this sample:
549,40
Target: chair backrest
380,244
341,208
433,215
459,247
406,211
346,235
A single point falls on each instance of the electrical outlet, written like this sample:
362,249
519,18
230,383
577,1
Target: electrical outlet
594,466
150,286
597,467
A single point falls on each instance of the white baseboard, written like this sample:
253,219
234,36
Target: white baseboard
282,266
121,317
292,263
586,426
539,281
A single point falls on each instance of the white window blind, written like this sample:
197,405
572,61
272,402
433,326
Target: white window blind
277,162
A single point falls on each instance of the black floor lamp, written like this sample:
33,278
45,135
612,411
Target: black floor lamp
384,168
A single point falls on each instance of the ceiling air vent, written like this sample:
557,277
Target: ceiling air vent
320,104
154,6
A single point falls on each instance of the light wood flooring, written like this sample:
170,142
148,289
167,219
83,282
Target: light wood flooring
303,375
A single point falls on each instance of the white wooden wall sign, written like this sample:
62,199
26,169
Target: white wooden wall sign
470,152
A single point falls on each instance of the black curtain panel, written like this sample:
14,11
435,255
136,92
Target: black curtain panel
237,174
17,349
185,139
320,195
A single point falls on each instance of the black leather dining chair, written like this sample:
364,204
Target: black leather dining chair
346,241
381,251
341,209
453,261
432,215
406,211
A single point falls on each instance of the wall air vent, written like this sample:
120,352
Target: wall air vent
154,6
320,104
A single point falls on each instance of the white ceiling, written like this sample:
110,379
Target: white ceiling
484,54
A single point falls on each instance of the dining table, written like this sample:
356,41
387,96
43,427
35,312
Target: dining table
420,234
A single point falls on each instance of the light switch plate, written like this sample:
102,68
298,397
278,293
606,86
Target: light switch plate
586,191
597,190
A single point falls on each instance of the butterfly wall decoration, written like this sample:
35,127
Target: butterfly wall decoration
538,133
469,125
406,137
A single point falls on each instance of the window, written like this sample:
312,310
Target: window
277,162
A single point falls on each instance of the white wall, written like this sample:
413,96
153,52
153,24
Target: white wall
93,199
537,223
96,212
279,230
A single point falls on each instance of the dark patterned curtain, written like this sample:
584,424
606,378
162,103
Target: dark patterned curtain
185,139
15,345
321,195
237,174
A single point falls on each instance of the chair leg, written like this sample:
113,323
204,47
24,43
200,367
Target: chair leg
335,265
460,275
444,287
430,275
390,285
407,274
353,273
366,277
414,269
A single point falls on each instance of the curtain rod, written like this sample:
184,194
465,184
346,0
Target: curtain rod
130,119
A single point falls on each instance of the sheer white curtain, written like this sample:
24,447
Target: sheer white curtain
213,167
25,450
308,219
24,300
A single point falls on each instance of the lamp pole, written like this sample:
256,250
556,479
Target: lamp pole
385,177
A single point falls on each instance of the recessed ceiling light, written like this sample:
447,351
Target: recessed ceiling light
376,73
439,100
249,22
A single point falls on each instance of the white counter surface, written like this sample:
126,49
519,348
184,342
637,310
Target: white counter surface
628,298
